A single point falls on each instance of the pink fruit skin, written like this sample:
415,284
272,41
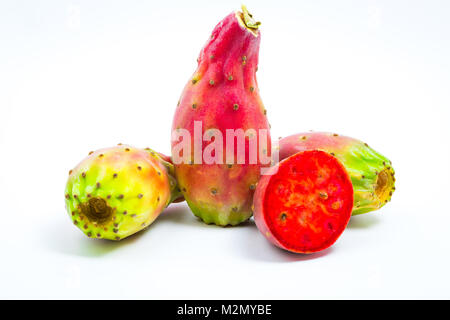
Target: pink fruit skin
314,140
222,94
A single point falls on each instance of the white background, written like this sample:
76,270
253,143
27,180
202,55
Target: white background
80,75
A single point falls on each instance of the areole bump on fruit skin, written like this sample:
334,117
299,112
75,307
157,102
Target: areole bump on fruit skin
116,192
305,205
372,174
223,94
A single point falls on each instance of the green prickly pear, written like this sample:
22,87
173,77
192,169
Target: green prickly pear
371,173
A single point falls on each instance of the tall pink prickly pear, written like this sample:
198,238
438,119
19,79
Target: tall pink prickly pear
223,94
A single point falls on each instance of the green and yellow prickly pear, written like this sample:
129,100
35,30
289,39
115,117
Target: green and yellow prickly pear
116,192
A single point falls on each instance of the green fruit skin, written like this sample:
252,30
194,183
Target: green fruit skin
116,192
372,175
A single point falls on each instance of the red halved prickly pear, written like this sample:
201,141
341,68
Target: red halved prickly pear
223,95
371,173
306,202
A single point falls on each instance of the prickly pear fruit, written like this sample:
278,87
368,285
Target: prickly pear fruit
116,192
177,196
223,94
305,205
371,173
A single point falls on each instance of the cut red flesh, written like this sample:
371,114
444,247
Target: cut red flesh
305,206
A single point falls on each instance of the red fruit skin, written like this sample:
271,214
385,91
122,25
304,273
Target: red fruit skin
314,218
222,94
258,206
